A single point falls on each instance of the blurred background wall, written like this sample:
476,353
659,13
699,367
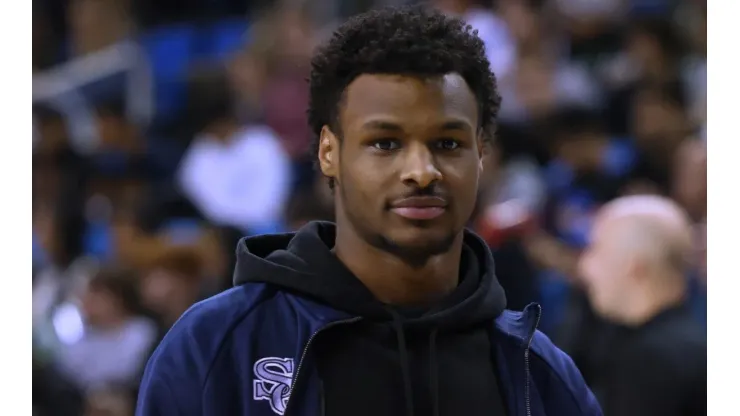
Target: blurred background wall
166,130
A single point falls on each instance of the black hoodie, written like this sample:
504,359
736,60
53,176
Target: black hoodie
431,360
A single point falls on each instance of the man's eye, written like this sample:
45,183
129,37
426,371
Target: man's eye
447,144
386,144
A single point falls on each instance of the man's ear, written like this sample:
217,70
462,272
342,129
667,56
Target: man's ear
328,153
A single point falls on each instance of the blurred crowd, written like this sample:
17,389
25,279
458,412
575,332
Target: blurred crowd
164,131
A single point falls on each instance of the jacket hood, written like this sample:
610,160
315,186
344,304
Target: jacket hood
303,262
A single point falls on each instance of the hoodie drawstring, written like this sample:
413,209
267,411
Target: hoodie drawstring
406,371
433,372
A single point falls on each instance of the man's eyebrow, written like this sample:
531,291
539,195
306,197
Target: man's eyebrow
391,126
381,125
455,125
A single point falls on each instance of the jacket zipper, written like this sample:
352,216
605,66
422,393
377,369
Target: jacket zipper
305,351
527,403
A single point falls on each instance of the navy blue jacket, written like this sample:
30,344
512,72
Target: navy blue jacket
241,352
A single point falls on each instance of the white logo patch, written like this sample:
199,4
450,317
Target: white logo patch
273,378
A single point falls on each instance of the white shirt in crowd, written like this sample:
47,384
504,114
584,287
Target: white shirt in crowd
243,182
500,46
100,358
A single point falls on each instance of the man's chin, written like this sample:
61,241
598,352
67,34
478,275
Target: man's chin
423,243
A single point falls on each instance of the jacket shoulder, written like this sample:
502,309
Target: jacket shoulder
178,369
564,374
205,325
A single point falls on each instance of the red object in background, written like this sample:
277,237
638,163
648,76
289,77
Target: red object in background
285,113
501,222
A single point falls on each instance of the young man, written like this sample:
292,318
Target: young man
394,310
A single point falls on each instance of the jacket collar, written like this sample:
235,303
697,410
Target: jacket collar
518,326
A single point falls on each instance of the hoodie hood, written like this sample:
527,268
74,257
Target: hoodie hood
303,262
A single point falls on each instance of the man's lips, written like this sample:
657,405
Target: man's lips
420,207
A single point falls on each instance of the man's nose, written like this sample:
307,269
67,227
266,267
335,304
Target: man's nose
419,167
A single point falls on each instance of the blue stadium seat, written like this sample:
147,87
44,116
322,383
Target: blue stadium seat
98,241
225,37
170,50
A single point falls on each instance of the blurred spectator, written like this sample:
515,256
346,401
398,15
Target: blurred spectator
112,345
651,55
55,161
590,24
247,73
172,283
512,197
540,80
635,275
236,176
589,167
97,24
59,177
586,336
141,248
283,40
527,27
60,269
654,49
660,124
539,85
512,183
104,64
118,175
492,29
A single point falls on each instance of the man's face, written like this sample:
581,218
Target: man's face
603,268
159,288
101,307
657,124
408,164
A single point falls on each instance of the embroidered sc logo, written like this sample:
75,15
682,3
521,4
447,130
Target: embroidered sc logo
273,376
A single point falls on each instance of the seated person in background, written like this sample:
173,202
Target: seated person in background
172,284
236,176
589,167
659,124
112,345
511,198
634,272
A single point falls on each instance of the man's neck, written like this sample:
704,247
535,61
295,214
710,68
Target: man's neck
393,281
647,304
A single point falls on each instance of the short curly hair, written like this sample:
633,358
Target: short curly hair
415,41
